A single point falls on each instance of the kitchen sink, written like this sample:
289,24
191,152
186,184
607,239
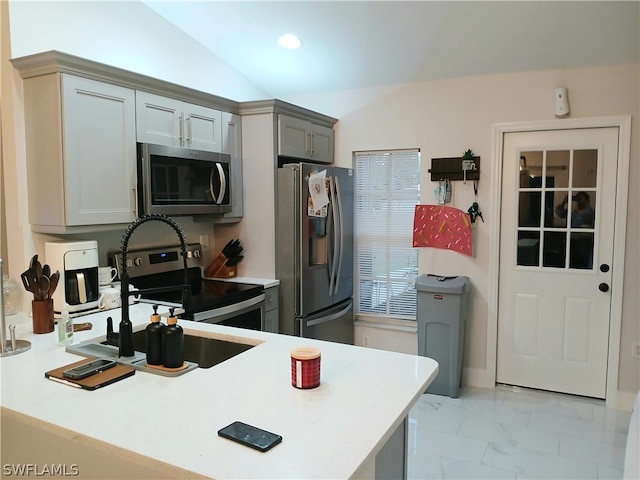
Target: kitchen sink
204,351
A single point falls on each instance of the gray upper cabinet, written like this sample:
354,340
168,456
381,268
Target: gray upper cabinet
82,122
232,145
166,121
81,153
305,140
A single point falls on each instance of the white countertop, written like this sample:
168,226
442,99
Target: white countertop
266,282
328,432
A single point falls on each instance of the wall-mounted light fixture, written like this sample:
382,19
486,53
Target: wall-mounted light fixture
562,102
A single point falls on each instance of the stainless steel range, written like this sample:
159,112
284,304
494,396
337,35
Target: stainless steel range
212,301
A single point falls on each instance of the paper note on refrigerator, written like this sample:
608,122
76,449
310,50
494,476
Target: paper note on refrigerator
318,196
439,226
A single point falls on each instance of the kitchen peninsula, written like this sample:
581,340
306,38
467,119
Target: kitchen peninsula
151,426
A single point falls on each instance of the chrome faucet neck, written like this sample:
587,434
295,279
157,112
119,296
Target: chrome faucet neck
16,346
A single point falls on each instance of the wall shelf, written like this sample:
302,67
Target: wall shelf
451,169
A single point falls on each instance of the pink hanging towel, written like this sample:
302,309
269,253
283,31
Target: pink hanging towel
439,226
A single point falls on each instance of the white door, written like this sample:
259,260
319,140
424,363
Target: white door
556,253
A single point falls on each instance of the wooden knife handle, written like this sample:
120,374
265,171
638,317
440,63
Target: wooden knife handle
78,327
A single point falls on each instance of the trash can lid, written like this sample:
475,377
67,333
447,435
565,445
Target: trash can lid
442,284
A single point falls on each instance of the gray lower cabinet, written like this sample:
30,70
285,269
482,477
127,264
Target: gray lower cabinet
271,311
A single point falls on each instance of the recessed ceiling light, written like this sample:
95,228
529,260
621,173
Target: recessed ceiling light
289,40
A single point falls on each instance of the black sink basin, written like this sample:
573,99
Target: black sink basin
206,352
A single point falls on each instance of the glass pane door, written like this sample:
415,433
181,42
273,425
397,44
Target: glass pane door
557,200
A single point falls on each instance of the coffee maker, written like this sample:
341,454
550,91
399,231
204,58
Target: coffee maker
78,266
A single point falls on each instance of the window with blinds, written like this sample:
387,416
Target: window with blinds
387,189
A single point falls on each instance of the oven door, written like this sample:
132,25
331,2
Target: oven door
246,314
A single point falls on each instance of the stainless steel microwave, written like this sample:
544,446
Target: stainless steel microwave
182,181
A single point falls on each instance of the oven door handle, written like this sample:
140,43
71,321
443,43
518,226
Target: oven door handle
236,307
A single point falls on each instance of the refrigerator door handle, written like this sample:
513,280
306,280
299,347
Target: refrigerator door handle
334,250
329,318
340,232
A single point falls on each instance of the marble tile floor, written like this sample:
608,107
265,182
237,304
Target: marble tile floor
515,433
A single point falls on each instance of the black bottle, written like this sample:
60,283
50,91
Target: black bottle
154,339
173,343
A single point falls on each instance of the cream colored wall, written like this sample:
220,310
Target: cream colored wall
127,35
443,118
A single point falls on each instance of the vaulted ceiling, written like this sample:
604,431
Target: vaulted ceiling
358,44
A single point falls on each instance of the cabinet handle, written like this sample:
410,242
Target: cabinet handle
189,141
181,137
135,202
311,143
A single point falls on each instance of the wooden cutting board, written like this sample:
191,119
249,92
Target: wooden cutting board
93,382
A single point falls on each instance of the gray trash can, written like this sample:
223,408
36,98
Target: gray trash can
442,313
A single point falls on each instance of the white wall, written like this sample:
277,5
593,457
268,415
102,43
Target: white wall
443,118
128,35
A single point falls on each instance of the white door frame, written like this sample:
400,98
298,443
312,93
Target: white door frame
614,398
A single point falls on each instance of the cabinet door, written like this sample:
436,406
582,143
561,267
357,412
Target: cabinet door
232,145
271,321
271,300
294,137
202,128
321,144
159,120
99,151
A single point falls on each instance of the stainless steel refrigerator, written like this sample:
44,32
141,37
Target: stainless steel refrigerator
314,251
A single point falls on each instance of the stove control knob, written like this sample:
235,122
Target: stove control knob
196,253
137,261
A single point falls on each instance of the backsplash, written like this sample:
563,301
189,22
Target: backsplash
151,234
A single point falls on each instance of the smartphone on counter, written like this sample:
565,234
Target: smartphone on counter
250,436
87,369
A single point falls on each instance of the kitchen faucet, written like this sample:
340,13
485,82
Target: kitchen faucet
125,335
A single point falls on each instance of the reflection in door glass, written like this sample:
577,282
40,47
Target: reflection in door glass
585,169
579,209
529,208
581,251
528,249
554,249
530,167
558,167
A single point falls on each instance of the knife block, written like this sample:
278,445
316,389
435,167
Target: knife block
226,272
218,269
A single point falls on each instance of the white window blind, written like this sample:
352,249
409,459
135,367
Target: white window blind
387,189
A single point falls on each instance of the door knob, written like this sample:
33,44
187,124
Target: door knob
604,268
603,287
